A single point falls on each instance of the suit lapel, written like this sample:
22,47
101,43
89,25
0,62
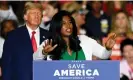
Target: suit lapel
42,35
27,37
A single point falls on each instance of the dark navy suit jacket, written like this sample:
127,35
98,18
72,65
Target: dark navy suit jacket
18,54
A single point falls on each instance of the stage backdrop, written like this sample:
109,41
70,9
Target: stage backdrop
75,70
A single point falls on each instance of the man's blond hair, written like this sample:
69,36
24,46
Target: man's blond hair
32,5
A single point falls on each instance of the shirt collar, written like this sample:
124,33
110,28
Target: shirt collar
30,30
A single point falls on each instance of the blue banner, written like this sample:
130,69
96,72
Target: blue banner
76,70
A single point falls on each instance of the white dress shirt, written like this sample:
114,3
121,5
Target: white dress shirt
38,54
1,46
37,35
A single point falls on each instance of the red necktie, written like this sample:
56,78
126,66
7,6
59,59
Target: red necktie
33,40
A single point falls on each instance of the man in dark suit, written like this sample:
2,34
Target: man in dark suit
22,43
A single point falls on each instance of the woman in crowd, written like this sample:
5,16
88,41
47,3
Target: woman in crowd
121,26
68,45
6,27
126,64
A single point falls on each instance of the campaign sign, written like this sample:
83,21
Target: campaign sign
76,70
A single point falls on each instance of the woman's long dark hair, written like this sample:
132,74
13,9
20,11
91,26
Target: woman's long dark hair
55,29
